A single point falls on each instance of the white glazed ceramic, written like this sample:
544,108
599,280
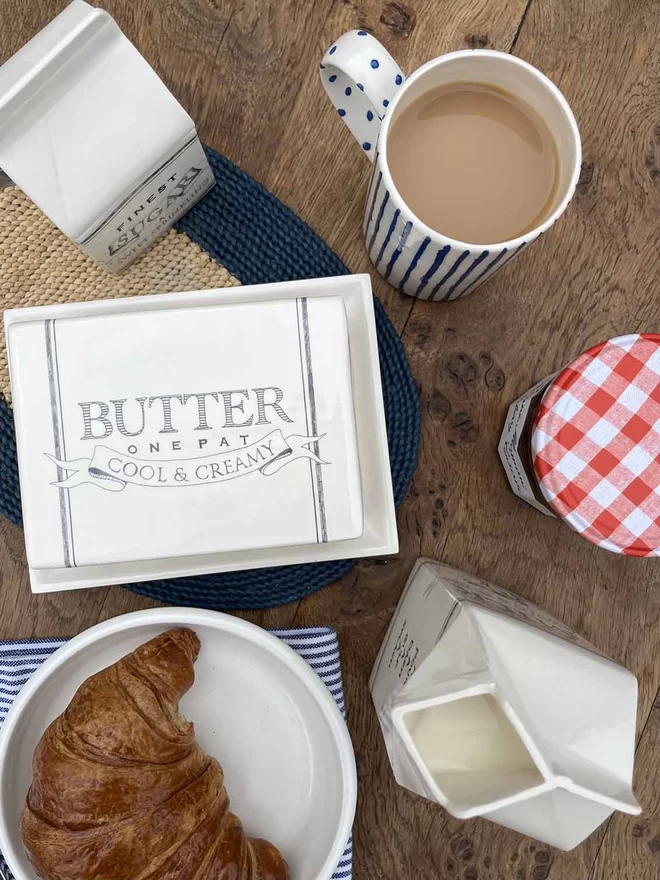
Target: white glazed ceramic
253,419
379,535
91,134
454,637
257,707
369,91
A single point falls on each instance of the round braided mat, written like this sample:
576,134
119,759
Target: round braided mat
239,233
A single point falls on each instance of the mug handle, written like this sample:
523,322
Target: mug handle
361,78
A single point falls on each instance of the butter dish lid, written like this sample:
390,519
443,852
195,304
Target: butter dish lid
184,431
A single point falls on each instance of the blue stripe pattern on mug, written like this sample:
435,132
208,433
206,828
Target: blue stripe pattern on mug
415,262
433,268
372,192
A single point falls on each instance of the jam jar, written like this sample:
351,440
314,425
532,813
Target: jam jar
584,445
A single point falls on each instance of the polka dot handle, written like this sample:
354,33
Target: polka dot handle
361,78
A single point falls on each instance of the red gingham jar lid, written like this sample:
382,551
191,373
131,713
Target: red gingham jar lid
596,444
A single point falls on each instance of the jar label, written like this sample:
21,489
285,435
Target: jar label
510,446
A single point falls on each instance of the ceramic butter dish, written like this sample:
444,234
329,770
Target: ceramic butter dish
185,431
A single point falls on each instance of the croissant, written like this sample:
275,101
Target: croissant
122,791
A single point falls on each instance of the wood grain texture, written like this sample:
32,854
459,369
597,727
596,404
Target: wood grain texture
631,848
247,71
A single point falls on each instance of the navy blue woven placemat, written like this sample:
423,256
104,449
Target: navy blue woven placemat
243,226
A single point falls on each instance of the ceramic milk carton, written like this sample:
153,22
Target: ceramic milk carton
491,707
93,136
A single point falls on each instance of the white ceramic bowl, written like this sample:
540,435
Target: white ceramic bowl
257,707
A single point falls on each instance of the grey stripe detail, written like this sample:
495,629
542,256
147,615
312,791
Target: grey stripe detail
58,441
307,430
313,421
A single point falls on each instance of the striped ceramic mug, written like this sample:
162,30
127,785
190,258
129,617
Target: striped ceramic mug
369,91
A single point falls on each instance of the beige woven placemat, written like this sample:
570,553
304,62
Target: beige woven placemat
40,266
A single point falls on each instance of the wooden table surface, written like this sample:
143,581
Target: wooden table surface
248,73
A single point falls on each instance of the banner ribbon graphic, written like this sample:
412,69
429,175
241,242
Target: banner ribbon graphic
113,470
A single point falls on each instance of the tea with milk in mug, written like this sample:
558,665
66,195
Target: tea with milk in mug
474,163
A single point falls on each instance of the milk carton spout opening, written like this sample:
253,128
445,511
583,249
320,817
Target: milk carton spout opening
491,707
471,750
92,135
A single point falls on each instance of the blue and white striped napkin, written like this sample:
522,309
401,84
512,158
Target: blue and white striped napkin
319,646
